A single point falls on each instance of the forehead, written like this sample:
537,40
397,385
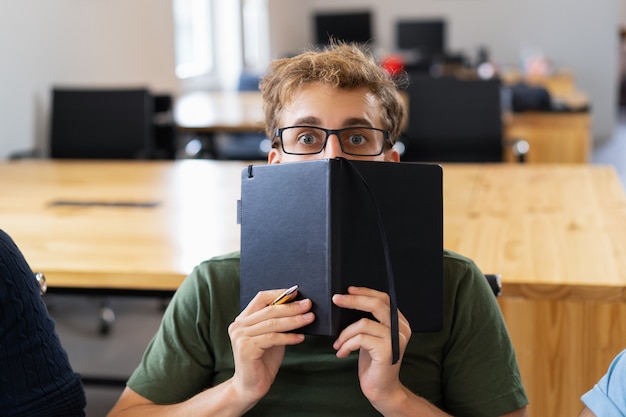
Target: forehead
331,106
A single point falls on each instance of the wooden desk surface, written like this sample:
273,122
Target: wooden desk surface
552,231
236,111
555,232
120,247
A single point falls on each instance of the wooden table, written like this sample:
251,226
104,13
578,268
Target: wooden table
212,112
185,213
556,233
560,136
202,116
553,137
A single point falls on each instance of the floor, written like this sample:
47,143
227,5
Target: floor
118,352
92,353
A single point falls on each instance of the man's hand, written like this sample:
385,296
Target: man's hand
259,336
379,379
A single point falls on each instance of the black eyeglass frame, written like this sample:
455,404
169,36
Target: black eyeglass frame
386,134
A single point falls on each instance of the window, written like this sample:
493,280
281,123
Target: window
255,35
193,38
216,40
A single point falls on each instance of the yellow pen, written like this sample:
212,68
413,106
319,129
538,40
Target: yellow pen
287,296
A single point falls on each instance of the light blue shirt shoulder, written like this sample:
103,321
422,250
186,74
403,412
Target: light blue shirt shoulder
608,396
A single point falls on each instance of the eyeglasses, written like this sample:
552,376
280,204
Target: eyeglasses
309,140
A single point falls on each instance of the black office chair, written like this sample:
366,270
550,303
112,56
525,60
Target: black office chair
101,123
88,123
453,120
164,128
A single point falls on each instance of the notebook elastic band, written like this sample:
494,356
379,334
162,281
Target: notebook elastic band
393,307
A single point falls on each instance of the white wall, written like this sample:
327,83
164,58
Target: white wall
579,35
70,42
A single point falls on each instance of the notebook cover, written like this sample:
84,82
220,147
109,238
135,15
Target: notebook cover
314,224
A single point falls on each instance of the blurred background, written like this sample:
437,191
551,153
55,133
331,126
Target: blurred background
181,45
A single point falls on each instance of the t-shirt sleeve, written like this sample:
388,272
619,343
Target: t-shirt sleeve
608,396
481,375
178,362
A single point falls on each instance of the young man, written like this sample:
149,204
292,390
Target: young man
209,358
608,396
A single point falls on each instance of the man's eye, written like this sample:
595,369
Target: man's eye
357,139
307,139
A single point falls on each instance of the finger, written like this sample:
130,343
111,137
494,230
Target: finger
261,325
370,292
370,301
375,329
404,326
274,325
363,326
257,310
278,318
267,341
377,347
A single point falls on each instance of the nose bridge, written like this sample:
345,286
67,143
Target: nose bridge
333,145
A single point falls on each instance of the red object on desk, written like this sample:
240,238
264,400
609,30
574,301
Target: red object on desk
393,64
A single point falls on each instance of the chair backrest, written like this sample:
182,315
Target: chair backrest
164,128
495,283
101,123
248,82
454,120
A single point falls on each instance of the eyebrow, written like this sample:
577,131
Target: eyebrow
314,121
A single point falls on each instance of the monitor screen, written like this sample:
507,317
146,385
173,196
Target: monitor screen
425,36
349,27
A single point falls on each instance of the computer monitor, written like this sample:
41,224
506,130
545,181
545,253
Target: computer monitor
427,37
349,27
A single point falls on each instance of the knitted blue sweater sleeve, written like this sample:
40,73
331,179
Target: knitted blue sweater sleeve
36,378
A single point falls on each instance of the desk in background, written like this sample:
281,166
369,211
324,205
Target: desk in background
210,112
554,232
202,116
558,136
553,136
559,84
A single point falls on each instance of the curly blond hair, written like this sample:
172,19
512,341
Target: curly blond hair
340,65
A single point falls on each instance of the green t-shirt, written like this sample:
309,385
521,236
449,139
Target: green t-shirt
467,369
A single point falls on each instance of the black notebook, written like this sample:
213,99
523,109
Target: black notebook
316,224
